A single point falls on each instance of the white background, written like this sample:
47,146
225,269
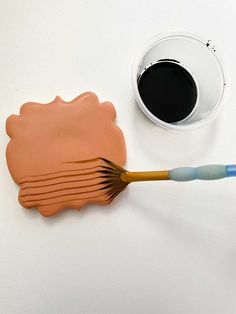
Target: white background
161,247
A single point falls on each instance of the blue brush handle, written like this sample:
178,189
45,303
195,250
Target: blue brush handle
209,172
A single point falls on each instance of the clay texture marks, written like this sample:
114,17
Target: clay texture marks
48,143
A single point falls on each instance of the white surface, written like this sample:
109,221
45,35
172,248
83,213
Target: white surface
164,248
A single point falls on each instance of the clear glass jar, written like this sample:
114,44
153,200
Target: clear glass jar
200,59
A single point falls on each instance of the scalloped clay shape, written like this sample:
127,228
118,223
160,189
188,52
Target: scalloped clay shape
48,143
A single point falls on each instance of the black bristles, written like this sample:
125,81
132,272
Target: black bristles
109,168
116,167
105,171
107,186
112,182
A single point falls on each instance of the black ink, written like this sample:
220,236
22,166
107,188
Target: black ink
168,91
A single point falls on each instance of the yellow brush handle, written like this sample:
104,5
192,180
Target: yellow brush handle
207,172
145,176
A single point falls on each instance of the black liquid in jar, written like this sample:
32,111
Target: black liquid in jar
168,91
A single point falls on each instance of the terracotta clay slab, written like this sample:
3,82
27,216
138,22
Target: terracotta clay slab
48,143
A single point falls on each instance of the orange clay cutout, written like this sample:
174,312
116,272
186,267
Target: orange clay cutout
54,149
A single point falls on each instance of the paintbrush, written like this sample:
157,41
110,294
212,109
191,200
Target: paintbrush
115,178
102,180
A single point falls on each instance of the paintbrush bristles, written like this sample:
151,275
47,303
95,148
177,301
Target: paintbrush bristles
112,183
